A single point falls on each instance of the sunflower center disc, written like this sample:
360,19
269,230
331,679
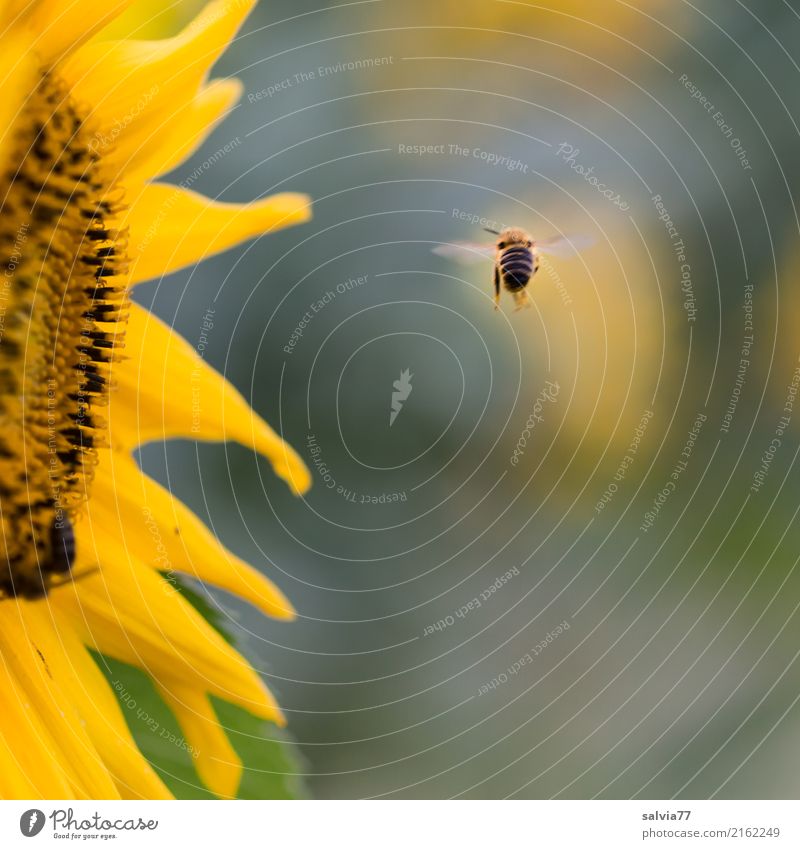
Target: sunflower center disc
62,315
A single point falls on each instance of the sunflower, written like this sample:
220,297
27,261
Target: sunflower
87,375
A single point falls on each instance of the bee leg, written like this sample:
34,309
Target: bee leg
496,287
74,576
522,299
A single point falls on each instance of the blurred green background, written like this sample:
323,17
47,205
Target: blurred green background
678,673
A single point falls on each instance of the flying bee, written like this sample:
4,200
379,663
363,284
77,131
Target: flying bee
516,258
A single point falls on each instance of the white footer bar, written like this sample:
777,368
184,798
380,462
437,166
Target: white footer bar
404,824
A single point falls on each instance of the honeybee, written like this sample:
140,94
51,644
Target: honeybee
54,569
516,258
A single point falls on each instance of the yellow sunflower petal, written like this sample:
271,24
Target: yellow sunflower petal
63,25
28,666
15,783
129,84
166,390
172,227
153,19
29,768
18,73
182,132
141,619
161,531
216,762
99,711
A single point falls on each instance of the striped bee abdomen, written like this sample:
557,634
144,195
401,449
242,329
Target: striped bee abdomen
516,266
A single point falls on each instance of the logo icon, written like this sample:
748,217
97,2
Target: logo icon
31,822
403,389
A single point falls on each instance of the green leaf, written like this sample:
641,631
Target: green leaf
271,765
154,728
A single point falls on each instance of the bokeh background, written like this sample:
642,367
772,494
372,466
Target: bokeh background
613,610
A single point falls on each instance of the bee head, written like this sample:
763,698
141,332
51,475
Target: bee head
514,236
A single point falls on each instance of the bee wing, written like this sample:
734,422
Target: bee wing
564,246
467,253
